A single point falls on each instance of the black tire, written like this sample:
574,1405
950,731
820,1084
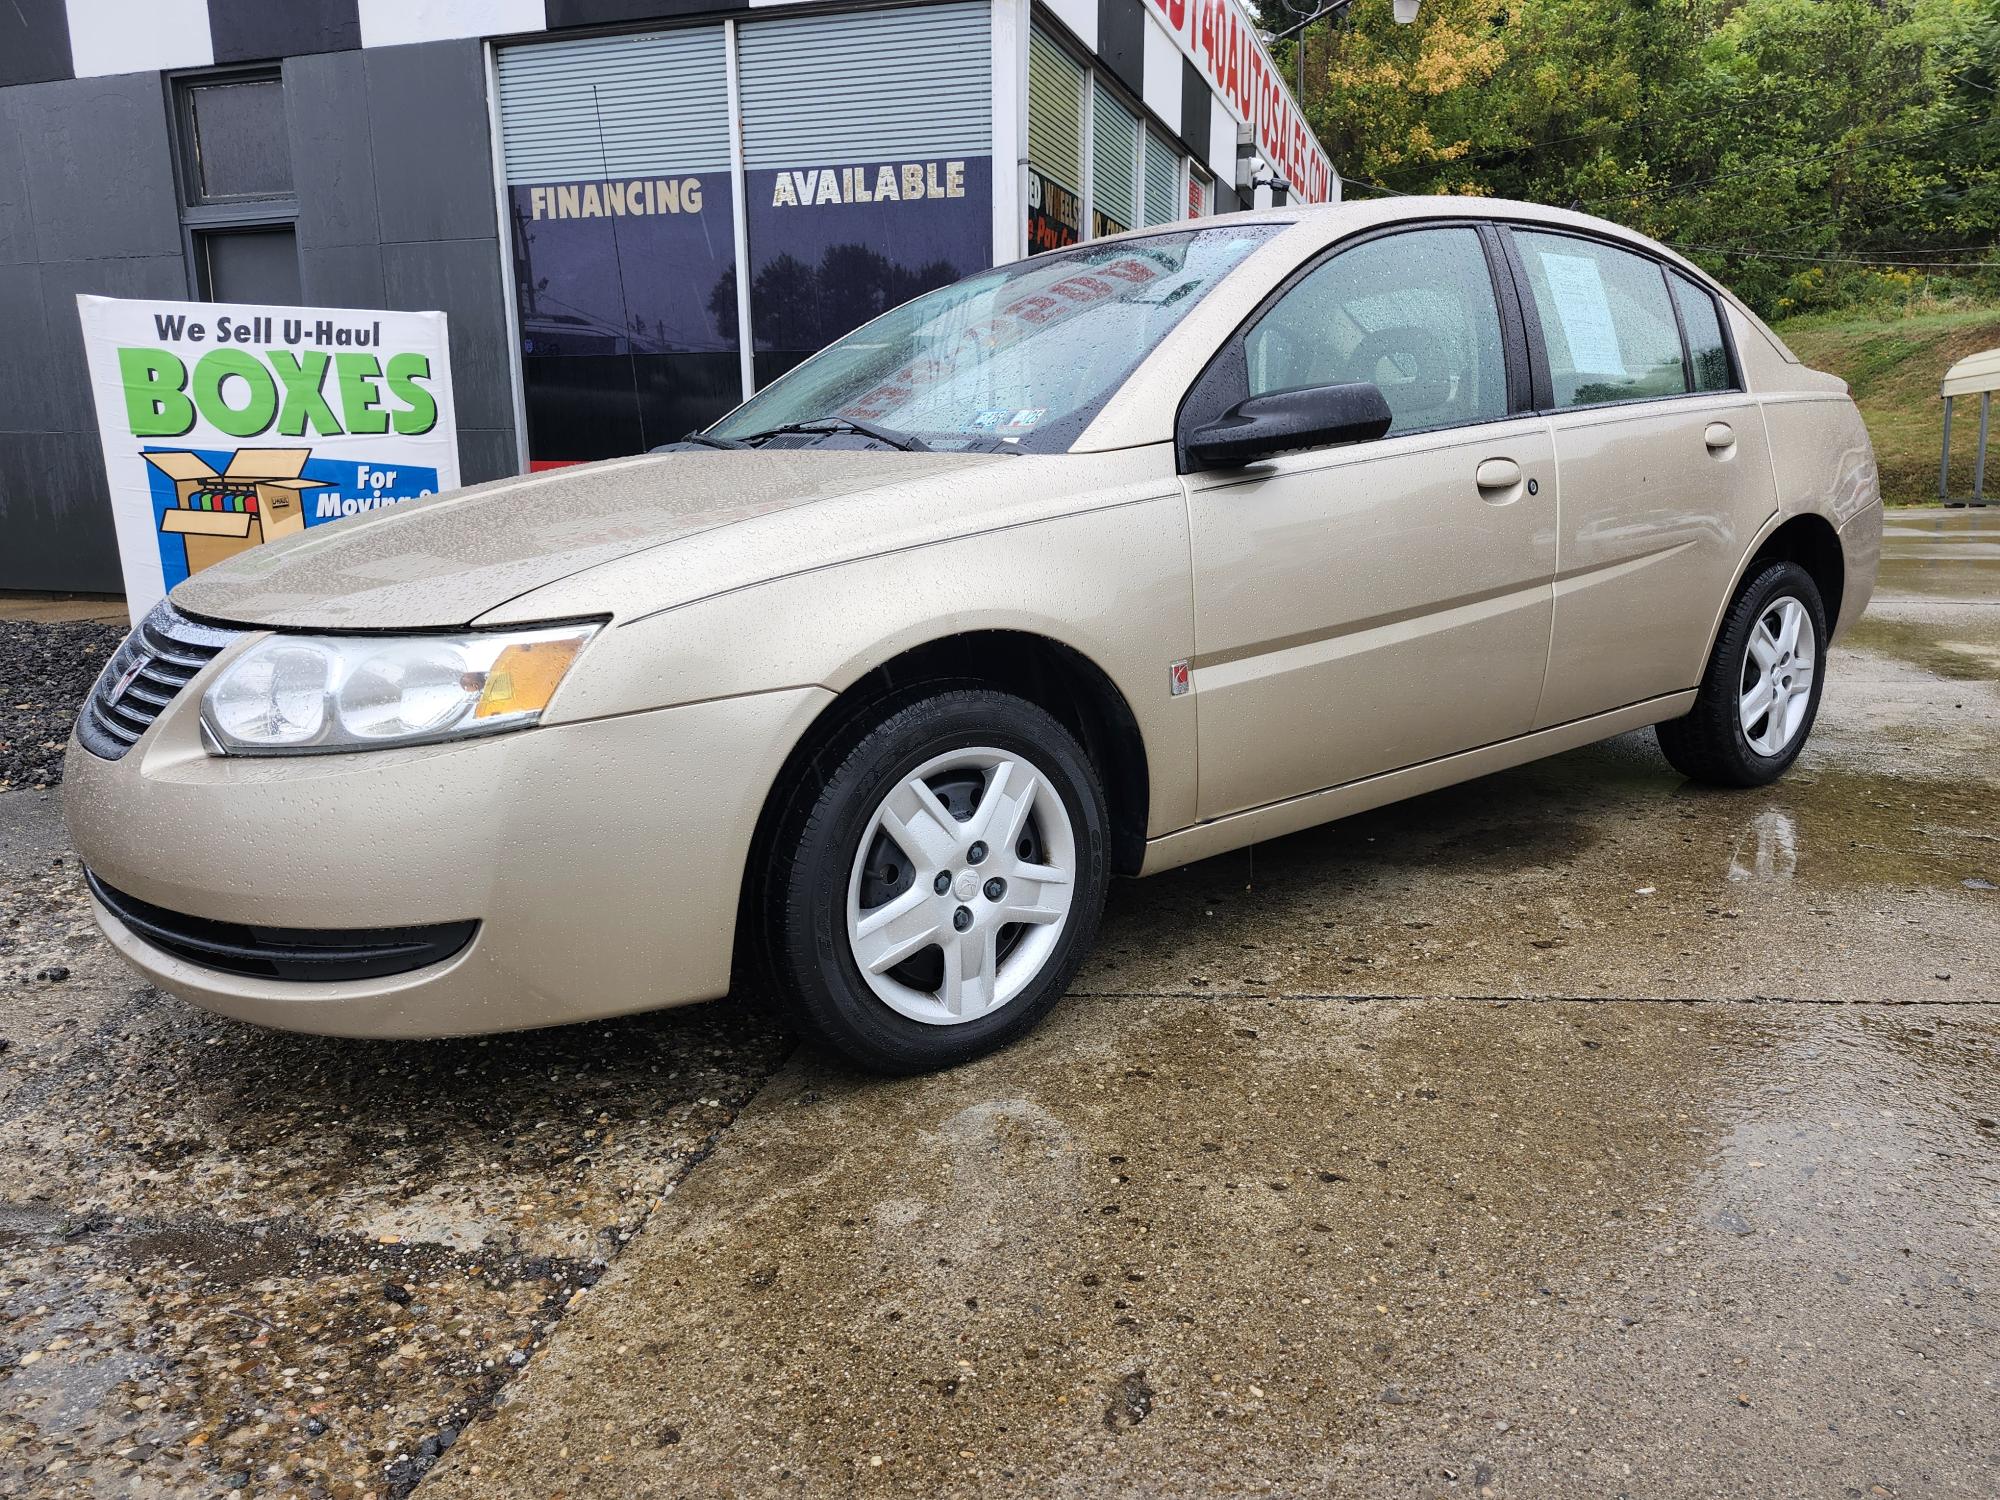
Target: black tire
1710,743
816,839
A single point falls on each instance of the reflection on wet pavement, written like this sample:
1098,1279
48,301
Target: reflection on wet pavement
1769,850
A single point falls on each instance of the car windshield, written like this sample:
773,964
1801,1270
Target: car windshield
1021,357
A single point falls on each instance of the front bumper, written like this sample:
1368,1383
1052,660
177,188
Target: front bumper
602,861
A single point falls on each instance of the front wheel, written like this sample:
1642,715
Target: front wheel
1760,694
932,897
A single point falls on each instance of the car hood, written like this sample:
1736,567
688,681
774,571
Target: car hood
447,560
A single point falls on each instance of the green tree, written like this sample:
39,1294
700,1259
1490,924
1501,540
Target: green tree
1778,141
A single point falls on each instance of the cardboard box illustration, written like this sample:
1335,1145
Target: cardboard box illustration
258,497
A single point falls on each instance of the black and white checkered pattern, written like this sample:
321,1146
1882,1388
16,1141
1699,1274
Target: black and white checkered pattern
49,39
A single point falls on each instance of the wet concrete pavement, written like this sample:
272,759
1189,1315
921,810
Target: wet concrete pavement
1575,1132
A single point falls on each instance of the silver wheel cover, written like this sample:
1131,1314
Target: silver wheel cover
1776,684
996,921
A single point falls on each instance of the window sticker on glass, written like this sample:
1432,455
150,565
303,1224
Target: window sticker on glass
1584,312
1026,418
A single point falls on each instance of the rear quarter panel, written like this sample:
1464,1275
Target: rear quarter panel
1824,464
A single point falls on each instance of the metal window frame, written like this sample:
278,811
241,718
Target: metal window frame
1538,352
272,211
1224,378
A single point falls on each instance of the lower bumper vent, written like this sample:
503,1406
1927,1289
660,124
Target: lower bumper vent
293,953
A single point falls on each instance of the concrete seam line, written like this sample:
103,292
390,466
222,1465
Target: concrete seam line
1333,999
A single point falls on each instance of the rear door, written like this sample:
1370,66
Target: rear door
1366,607
1663,463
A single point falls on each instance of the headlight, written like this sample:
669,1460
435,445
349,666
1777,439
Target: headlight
293,694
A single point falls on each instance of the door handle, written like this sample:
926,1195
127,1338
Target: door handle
1497,474
1720,437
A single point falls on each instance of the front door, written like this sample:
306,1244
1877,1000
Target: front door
1363,608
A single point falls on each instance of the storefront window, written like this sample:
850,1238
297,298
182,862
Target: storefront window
864,186
1114,164
1055,145
617,153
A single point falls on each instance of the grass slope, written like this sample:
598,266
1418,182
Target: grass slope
1893,364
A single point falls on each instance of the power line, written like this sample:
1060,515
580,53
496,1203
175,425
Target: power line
1675,189
1742,252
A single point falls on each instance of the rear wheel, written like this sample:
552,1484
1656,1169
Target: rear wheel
1760,694
933,896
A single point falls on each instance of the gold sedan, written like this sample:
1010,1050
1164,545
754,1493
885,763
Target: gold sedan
1093,564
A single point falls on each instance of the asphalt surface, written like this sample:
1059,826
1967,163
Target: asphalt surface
1573,1133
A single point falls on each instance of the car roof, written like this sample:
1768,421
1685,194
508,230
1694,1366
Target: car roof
1310,225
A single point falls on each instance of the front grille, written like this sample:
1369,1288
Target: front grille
295,953
167,650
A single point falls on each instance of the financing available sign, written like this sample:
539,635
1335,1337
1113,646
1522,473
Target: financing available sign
226,425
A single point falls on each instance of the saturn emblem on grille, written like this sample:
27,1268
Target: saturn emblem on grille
118,687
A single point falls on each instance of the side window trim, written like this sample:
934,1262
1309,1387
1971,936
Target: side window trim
1681,328
1538,353
1737,384
1513,326
1225,379
1543,388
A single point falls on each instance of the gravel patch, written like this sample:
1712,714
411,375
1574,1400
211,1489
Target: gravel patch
45,670
236,1261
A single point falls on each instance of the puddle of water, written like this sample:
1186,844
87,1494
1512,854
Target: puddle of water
1944,650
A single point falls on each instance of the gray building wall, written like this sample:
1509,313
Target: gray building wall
392,161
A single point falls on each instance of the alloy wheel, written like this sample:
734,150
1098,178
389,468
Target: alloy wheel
1776,688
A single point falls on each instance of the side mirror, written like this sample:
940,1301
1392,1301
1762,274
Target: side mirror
1315,416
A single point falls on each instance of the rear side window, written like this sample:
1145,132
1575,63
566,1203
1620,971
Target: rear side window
1606,320
1706,347
1412,313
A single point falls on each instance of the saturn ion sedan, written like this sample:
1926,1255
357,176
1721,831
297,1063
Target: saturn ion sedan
1090,565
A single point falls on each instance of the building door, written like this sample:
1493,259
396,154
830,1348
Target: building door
620,207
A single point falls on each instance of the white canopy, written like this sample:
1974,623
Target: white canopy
1973,374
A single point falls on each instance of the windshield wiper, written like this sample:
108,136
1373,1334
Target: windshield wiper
889,435
705,441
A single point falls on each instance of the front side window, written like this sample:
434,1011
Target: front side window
1606,321
1023,355
1707,351
1411,313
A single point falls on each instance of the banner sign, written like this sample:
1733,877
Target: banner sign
225,425
1223,44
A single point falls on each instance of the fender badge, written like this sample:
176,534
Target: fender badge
1177,679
